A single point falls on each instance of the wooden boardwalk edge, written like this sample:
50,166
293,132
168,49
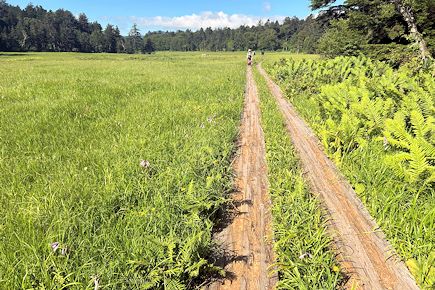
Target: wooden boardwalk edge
248,237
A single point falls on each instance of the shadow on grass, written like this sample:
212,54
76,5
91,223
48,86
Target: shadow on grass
6,54
221,256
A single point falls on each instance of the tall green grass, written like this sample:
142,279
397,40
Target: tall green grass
302,246
74,129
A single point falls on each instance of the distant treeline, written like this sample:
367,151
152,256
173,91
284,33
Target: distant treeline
270,35
36,29
379,28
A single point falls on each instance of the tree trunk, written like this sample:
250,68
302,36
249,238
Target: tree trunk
415,34
23,41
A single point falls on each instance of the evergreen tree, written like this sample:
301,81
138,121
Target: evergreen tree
149,46
84,23
111,38
97,38
134,43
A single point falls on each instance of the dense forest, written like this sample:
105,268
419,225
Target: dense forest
264,36
36,29
376,27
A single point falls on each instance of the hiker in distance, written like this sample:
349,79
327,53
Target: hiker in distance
250,56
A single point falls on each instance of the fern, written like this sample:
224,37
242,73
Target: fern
171,284
411,137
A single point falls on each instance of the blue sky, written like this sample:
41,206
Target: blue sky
173,15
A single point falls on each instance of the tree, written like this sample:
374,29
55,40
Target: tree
84,23
364,9
268,40
306,39
340,40
317,4
250,40
229,45
149,46
66,26
134,43
111,38
97,38
85,42
405,8
289,27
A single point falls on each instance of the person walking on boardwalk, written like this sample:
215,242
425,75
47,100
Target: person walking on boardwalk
250,56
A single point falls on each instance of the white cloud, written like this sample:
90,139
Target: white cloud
267,6
204,20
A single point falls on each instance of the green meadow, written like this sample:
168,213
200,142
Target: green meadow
112,167
114,170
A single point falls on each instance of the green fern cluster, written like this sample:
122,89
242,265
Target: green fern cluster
355,100
307,75
178,263
411,134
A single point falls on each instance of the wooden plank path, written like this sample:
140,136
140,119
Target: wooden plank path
248,238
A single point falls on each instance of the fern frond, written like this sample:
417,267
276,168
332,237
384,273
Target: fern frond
418,123
418,163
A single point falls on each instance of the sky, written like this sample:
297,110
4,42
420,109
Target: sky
152,15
